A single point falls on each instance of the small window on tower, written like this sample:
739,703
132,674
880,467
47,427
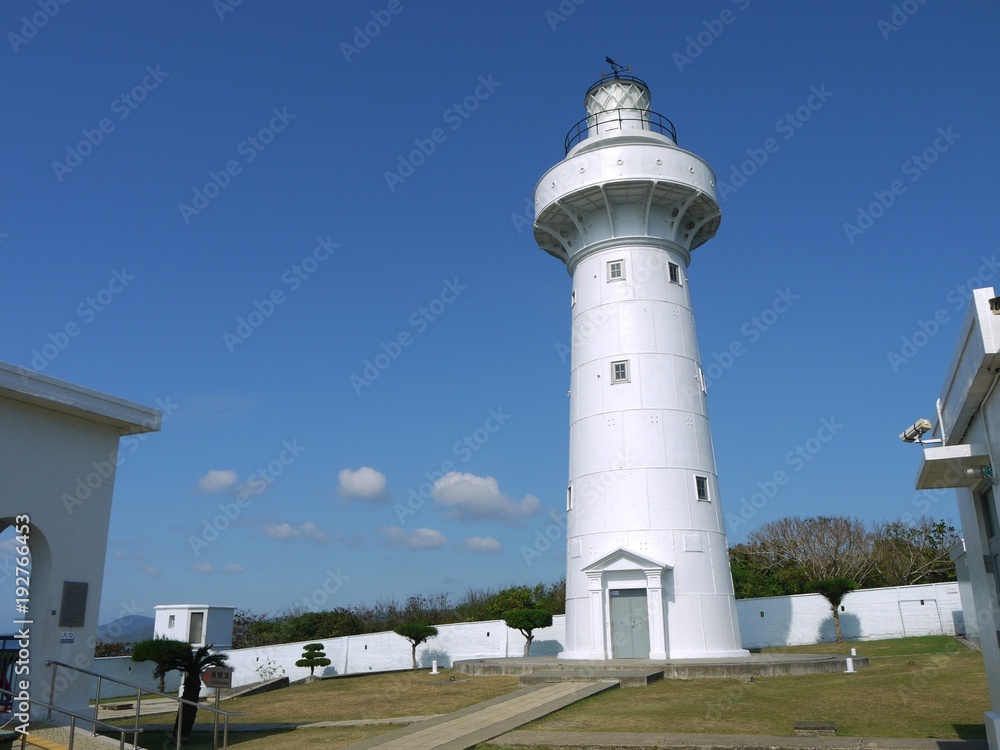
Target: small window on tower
616,270
619,371
675,273
701,487
572,298
569,498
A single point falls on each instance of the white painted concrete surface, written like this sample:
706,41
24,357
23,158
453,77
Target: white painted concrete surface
624,210
968,424
174,621
868,614
60,447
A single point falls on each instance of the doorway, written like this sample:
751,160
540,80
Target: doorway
629,624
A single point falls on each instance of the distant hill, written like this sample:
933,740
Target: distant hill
126,630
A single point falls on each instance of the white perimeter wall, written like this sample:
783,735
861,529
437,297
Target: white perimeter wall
869,614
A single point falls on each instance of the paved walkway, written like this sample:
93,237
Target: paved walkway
470,726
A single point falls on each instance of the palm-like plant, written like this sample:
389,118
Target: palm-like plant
834,589
170,655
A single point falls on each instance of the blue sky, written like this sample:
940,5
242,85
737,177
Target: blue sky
353,182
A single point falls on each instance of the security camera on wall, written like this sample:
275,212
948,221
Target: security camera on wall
914,432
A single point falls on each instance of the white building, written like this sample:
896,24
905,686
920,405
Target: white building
958,556
59,451
198,624
647,563
968,426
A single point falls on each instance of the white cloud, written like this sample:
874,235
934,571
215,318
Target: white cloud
365,483
468,497
253,487
483,544
217,480
203,568
285,531
232,568
150,570
312,531
280,531
422,538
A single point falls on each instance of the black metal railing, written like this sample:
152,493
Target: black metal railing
652,121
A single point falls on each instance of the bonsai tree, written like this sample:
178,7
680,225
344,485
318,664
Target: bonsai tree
170,655
313,656
526,620
416,634
834,589
154,649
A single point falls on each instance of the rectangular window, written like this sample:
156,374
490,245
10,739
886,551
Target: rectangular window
616,270
196,631
675,273
701,487
170,621
572,298
569,498
619,371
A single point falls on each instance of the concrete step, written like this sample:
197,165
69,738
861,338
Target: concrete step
625,678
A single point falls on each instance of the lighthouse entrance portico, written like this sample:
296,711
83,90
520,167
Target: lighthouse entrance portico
627,606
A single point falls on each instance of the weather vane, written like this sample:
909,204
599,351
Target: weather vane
615,68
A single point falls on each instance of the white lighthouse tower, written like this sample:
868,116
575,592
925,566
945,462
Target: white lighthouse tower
647,563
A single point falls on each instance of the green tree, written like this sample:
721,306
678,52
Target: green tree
416,634
169,656
154,649
913,551
834,589
103,648
526,620
751,580
782,556
515,597
247,628
313,656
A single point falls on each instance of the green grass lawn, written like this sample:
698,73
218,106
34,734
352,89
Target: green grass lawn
915,687
377,696
928,644
298,739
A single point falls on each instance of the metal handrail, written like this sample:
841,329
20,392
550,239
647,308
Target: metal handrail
72,723
607,77
138,702
653,121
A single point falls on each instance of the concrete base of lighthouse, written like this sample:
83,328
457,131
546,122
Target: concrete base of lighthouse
637,672
633,606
